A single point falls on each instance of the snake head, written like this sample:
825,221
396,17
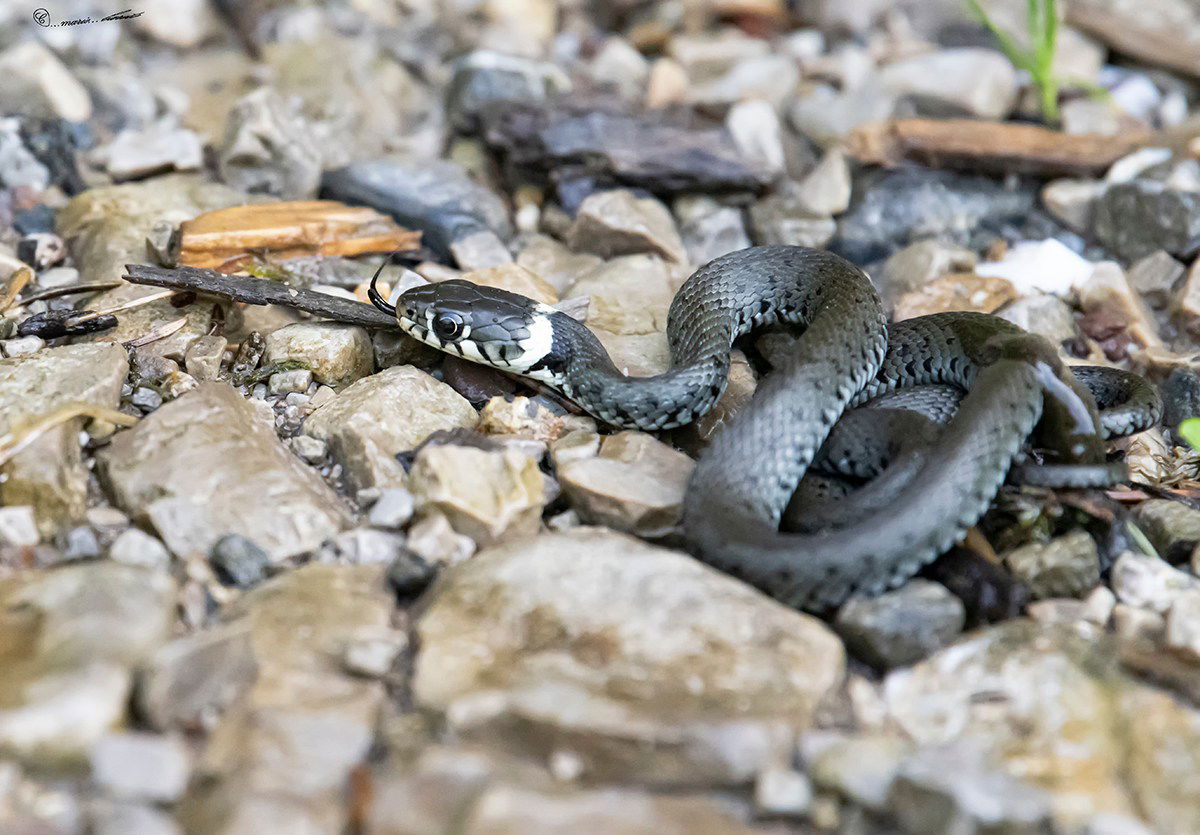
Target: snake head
482,324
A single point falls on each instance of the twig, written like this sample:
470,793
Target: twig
70,290
259,291
13,442
161,332
121,308
22,276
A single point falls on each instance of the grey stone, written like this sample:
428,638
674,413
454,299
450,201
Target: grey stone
628,295
269,148
976,82
392,509
1066,566
484,79
1149,582
238,561
363,546
714,233
611,223
188,682
22,346
367,424
18,526
137,548
81,543
555,263
203,357
1155,278
125,818
480,250
1183,625
134,154
783,219
335,353
200,467
827,116
825,190
434,542
755,128
548,635
619,66
903,626
952,788
1172,527
311,450
782,792
146,398
919,263
141,766
285,382
1044,314
38,85
18,166
768,77
859,768
1137,218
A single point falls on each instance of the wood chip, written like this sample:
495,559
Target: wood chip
16,283
991,147
228,239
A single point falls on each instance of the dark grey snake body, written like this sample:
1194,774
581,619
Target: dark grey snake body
846,356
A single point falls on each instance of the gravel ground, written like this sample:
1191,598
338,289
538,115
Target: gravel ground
265,572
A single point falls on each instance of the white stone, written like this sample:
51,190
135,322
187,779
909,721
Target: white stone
142,766
1149,582
1047,266
782,791
136,547
18,526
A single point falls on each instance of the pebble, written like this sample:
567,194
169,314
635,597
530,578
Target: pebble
409,574
1047,266
146,399
286,382
827,116
975,82
335,354
269,147
1041,313
436,543
373,657
969,292
903,626
371,421
363,546
515,279
18,526
1137,218
239,561
771,78
137,548
635,483
554,263
612,223
80,543
1107,292
782,792
1172,527
825,190
919,263
1183,625
479,251
1155,278
22,346
1072,201
1131,623
1066,566
782,218
38,85
488,496
392,509
485,78
141,766
859,768
754,125
135,154
619,66
309,449
1149,582
629,295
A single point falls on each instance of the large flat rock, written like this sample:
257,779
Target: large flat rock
206,464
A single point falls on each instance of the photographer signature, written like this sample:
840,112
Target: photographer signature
42,18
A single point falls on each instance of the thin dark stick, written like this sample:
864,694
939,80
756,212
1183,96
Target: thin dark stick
259,291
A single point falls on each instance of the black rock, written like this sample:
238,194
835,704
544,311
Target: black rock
1135,219
484,80
436,197
409,574
55,323
238,561
55,142
893,209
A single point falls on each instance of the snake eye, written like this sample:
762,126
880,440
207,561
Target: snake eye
448,325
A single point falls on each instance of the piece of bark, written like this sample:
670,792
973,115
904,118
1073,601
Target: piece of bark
259,291
228,239
992,147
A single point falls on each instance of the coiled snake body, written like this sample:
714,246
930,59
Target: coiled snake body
928,495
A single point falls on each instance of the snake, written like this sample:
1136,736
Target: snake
1007,387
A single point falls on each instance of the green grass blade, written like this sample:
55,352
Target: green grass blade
1189,430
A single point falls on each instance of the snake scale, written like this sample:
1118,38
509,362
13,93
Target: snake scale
929,494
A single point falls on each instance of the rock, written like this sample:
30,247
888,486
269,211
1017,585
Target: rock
709,230
435,543
371,421
629,295
37,85
74,634
783,219
1107,294
480,251
336,354
1137,218
439,198
955,292
771,78
182,24
1172,527
617,222
904,206
515,279
1098,606
18,166
18,526
489,496
975,82
188,682
1133,624
141,766
122,818
1047,266
525,418
1143,161
826,189
200,467
203,357
859,768
286,746
1091,116
636,150
554,263
954,788
1186,306
755,128
1055,610
1103,741
309,449
1183,625
782,792
483,79
556,635
619,66
137,548
1148,582
827,116
1155,278
1043,314
374,657
134,154
269,148
363,546
286,382
921,262
146,399
636,483
1072,201
1066,566
49,474
903,626
392,509
239,561
666,85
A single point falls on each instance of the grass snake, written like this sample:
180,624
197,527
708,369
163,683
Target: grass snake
933,487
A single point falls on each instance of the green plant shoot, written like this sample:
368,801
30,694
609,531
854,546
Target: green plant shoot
1042,23
1189,430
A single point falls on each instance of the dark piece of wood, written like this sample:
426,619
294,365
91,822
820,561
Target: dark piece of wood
259,291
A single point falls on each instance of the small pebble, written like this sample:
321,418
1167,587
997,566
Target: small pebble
18,526
287,382
310,449
409,574
136,547
392,510
22,346
373,657
782,792
239,561
142,766
146,399
81,543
